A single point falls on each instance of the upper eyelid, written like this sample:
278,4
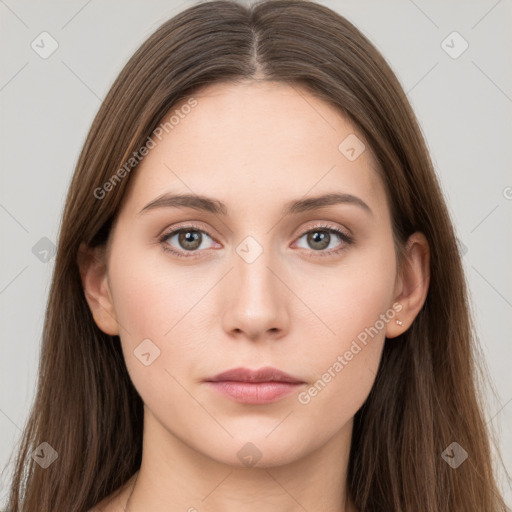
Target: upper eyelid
187,225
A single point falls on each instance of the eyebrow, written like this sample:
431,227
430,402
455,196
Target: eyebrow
217,207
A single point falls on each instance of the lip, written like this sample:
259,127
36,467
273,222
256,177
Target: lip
262,386
265,374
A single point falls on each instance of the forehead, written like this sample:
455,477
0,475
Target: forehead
255,139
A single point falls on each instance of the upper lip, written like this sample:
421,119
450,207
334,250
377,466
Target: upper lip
266,374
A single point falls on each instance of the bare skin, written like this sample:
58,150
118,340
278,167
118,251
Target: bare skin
255,146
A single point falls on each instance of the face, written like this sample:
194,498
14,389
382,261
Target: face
307,290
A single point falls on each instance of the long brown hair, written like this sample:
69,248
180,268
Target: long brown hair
427,391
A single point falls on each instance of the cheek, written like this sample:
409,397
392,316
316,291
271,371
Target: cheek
354,306
150,294
352,296
159,307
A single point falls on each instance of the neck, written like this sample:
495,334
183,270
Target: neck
173,474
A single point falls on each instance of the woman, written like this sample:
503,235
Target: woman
258,302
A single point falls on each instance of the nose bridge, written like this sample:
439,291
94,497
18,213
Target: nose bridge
256,303
256,283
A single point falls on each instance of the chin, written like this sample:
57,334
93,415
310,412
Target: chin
263,451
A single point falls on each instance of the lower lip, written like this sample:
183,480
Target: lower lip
255,392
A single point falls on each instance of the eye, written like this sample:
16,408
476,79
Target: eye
321,237
185,239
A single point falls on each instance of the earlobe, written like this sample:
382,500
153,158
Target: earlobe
413,284
93,272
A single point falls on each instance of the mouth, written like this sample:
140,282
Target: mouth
262,386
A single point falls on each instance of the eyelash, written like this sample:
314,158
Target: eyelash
347,239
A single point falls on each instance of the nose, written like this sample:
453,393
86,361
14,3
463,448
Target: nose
256,298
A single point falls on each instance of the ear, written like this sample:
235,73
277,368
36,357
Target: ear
93,272
412,284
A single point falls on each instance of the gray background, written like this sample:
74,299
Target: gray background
464,106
